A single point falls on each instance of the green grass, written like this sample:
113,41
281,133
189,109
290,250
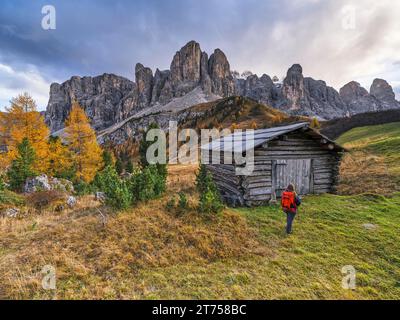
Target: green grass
382,140
329,234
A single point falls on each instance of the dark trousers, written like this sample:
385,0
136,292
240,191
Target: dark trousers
289,221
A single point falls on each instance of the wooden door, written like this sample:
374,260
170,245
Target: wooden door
297,172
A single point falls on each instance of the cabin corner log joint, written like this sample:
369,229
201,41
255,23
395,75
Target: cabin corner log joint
290,154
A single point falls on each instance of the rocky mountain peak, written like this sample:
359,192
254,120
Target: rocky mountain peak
185,68
351,91
306,96
105,90
295,69
223,83
383,91
358,98
293,87
144,84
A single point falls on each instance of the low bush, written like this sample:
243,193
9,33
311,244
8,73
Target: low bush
170,205
117,190
22,166
183,203
43,199
8,197
82,188
201,179
148,183
210,199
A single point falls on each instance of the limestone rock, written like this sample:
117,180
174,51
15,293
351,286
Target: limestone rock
223,83
71,201
205,77
358,99
160,77
11,213
260,89
382,91
100,196
99,96
45,183
39,183
306,96
144,83
369,226
63,185
293,88
185,69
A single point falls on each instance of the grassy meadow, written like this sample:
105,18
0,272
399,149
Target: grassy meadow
373,161
149,252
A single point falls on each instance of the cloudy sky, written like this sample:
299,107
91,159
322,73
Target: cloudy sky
334,40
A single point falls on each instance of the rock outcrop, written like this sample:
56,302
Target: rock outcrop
222,82
45,183
11,213
306,96
144,85
260,89
185,69
358,99
100,96
382,91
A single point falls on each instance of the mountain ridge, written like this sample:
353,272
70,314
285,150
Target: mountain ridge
195,78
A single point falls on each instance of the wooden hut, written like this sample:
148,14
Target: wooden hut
288,154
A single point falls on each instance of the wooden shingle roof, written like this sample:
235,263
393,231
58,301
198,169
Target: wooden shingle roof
249,139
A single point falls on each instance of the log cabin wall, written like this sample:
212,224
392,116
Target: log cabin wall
302,158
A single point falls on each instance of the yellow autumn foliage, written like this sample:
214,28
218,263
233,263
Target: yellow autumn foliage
59,157
22,120
86,154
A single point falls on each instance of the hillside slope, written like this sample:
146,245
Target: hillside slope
148,252
334,128
240,112
244,113
374,161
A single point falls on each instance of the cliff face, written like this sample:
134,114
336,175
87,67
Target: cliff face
358,99
381,97
108,99
306,96
382,91
99,96
194,78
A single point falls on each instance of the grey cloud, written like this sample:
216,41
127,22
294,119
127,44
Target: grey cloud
263,36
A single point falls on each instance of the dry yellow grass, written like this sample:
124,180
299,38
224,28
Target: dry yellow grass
93,260
373,163
362,172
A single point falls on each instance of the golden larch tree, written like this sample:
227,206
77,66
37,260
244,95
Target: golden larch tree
86,154
59,157
22,120
315,124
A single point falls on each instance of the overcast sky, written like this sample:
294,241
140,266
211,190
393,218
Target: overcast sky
334,40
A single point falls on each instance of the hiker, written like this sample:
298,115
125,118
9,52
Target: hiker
290,202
